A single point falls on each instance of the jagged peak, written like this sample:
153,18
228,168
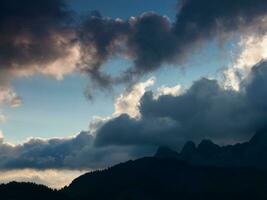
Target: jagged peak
189,148
259,137
207,147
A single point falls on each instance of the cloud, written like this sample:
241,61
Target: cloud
9,97
147,40
42,153
252,51
71,153
2,119
151,40
205,110
41,33
165,90
123,131
197,20
128,102
98,37
51,41
1,136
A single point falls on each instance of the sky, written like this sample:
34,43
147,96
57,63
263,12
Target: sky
86,84
47,101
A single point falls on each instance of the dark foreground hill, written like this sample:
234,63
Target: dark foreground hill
203,172
29,191
159,178
152,178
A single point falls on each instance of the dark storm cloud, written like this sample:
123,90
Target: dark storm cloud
204,111
157,41
202,20
151,40
33,33
39,153
147,39
69,153
124,130
100,38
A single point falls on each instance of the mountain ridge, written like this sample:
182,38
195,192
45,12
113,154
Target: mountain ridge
248,154
205,171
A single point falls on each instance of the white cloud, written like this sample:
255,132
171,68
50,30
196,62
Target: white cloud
1,136
9,97
63,66
253,50
57,69
129,100
165,90
2,119
97,122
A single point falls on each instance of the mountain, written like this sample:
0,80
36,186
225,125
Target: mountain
205,172
164,178
152,178
251,154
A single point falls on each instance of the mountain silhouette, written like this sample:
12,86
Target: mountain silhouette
164,178
252,154
205,172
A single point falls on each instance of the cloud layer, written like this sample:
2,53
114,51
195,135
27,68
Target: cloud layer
61,153
46,37
34,35
205,110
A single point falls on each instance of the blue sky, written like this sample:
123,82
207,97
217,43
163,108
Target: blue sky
53,108
125,9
